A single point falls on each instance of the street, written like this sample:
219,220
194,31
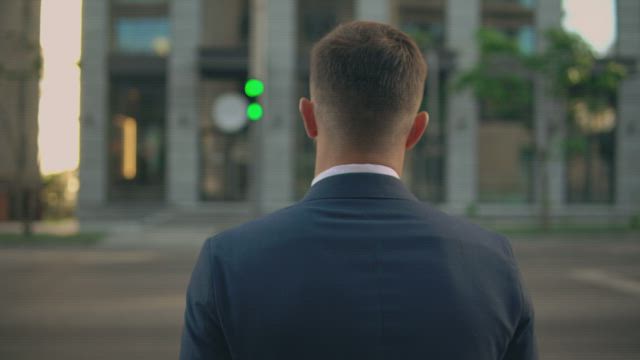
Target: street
127,303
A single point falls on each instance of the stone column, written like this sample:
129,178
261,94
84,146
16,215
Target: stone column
549,119
182,100
273,60
463,21
374,10
94,113
628,132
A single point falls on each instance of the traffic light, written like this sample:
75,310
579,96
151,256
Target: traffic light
253,88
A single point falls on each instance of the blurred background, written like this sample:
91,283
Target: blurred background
130,132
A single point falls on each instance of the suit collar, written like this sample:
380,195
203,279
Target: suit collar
359,185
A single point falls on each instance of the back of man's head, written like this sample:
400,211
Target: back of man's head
367,80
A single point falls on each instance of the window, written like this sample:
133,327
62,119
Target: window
142,35
529,4
590,156
224,156
505,161
140,2
317,18
505,132
140,27
526,38
514,18
424,167
425,24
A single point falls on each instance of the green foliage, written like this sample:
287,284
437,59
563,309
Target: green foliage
576,75
568,61
493,42
503,94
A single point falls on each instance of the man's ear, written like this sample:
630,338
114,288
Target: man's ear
420,124
306,108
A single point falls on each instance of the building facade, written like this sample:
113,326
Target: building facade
153,70
20,68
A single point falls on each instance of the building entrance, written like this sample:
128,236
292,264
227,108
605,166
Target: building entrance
137,143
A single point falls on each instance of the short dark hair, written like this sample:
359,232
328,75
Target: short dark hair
369,76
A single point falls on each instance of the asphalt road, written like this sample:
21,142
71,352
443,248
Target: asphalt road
127,303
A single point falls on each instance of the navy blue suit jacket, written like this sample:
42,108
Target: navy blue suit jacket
359,269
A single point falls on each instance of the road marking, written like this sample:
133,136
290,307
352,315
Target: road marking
605,279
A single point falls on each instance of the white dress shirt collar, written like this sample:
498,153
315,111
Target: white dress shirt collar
355,168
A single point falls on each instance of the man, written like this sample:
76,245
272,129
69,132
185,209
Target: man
359,268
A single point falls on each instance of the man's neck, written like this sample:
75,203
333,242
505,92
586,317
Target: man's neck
326,161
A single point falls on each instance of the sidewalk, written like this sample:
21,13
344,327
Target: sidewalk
163,230
65,227
137,236
188,230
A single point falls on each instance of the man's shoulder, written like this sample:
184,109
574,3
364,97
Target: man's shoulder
299,219
254,231
464,231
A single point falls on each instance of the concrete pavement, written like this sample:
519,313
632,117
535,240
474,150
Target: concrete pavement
126,302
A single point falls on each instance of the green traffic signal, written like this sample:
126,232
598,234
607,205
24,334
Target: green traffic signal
254,111
253,88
